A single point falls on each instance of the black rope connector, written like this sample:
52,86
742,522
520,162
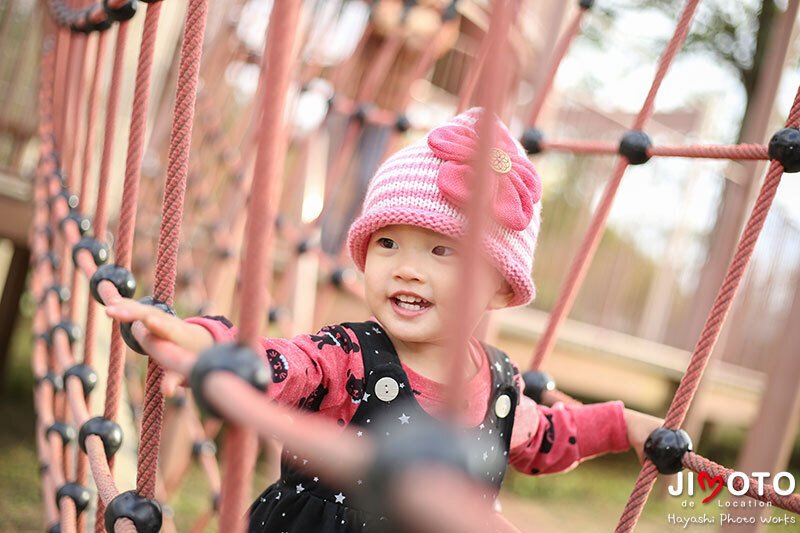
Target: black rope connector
109,432
531,140
304,246
77,493
275,314
341,275
666,447
52,258
98,249
84,24
145,513
536,383
121,13
125,327
69,197
585,4
402,124
361,113
86,374
55,528
83,223
237,359
421,445
66,432
450,12
73,331
43,336
60,291
784,147
634,146
119,276
54,379
203,446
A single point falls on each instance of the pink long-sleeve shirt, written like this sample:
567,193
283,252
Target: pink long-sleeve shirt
544,439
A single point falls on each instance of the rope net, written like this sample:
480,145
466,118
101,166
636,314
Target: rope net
255,174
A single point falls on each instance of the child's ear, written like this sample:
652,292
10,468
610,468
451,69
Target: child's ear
502,297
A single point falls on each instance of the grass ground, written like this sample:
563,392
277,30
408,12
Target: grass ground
589,498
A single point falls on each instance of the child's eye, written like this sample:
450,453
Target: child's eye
386,242
443,250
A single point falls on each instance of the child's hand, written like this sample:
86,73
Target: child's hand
163,327
640,426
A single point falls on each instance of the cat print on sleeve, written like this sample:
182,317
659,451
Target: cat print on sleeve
355,387
278,364
335,336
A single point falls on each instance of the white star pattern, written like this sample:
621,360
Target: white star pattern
359,482
367,332
404,418
376,330
300,488
402,385
482,426
498,367
360,433
340,497
366,397
485,458
316,478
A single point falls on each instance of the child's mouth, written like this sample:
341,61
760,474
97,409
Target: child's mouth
408,306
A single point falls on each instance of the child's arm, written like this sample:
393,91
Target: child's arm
556,439
317,372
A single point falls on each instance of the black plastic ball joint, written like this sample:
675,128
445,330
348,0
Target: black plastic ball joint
55,528
86,374
304,246
69,197
66,432
361,113
54,379
423,444
451,12
145,513
585,4
109,432
77,493
402,124
237,359
275,314
125,327
531,140
634,146
341,275
73,331
119,276
98,250
784,147
122,13
666,447
203,446
60,291
83,223
536,383
52,258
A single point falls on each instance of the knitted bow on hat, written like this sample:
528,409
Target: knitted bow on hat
514,184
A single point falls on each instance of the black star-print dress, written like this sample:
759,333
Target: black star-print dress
301,501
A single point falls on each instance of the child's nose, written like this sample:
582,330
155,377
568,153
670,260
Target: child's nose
408,270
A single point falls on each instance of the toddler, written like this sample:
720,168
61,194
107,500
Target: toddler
406,243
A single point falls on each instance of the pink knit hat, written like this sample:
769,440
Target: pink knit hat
425,184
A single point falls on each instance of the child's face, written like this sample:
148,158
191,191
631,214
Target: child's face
407,263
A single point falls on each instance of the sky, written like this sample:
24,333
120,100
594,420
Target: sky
621,73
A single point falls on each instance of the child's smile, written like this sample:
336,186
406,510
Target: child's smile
408,304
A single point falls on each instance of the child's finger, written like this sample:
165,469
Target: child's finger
127,310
